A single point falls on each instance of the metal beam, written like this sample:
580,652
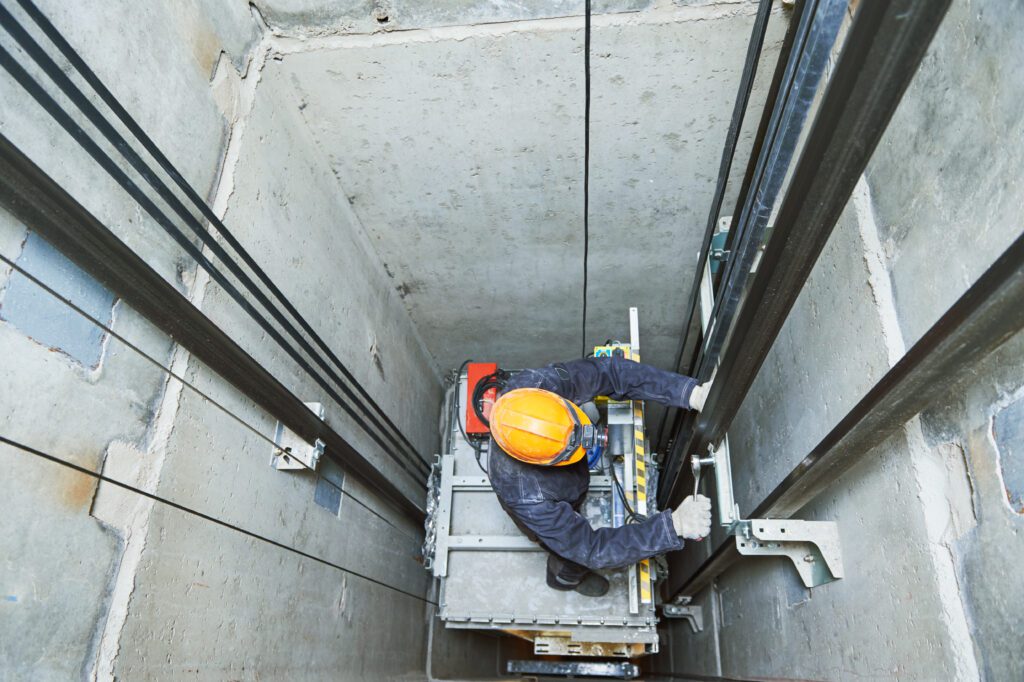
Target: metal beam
884,47
46,208
813,43
982,319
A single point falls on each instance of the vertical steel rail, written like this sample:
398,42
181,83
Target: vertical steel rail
754,48
883,50
813,43
982,319
45,207
885,45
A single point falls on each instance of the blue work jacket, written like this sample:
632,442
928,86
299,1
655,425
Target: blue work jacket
543,500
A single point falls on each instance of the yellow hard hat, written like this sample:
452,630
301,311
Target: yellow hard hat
539,427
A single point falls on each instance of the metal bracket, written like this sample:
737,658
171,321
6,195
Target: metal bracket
812,546
298,454
691,612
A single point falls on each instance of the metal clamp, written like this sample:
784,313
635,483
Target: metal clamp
292,452
691,612
812,546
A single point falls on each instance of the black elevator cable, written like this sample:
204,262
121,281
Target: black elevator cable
50,67
206,517
159,365
122,114
586,170
54,109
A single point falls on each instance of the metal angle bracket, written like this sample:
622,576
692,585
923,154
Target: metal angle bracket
812,546
291,452
691,612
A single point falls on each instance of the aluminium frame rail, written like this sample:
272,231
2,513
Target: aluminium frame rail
48,209
885,45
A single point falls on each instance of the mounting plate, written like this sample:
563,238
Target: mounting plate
691,612
298,454
812,546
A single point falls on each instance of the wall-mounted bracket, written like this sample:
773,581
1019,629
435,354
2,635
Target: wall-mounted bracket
694,613
298,454
812,546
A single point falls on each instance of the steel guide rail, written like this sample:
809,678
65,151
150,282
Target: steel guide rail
673,422
985,317
886,43
50,67
813,43
46,208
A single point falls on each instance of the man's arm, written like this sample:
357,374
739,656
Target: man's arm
566,533
620,379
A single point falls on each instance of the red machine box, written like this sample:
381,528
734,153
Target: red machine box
476,371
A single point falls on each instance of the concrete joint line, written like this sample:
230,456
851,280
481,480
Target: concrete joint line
134,527
930,474
294,43
878,273
930,479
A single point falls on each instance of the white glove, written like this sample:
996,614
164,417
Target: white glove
692,518
698,395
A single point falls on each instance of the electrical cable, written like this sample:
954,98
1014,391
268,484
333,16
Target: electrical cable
156,363
50,67
498,380
90,146
586,172
631,516
206,517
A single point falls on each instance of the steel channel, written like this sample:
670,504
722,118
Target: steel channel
746,86
816,36
122,114
986,316
681,422
46,208
886,42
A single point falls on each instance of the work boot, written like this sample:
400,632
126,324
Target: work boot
590,584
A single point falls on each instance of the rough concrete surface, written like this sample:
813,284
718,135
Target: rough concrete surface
310,244
417,194
325,17
929,534
461,153
57,560
945,217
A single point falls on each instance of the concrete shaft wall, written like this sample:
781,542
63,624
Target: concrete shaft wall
99,583
930,521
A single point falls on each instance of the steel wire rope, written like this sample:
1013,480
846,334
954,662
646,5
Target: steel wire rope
206,517
586,170
34,50
55,111
79,64
149,358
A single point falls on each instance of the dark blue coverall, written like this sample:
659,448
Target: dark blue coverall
543,500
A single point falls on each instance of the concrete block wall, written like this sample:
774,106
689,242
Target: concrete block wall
930,520
98,583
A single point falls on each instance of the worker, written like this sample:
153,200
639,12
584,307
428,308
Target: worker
538,467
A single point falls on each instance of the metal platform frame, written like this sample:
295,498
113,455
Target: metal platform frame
554,626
